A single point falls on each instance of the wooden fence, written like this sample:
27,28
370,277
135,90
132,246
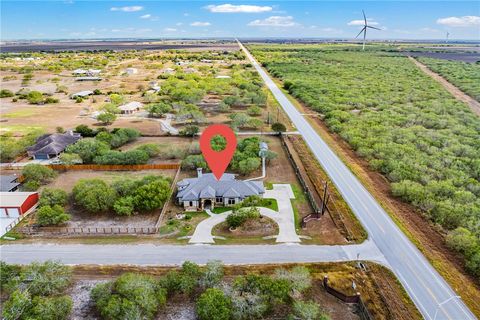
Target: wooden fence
363,311
31,230
116,167
311,199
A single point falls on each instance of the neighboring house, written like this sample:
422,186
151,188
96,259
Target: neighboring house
205,191
82,94
9,183
51,145
130,107
15,204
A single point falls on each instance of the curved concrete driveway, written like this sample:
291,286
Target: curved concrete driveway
285,219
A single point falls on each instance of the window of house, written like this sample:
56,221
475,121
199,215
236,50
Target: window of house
231,201
219,199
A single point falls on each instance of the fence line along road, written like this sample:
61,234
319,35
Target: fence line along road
423,283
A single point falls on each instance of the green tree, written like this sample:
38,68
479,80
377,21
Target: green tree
248,165
157,110
117,99
7,273
45,279
35,97
189,131
279,127
214,305
48,216
462,240
307,311
194,161
88,149
94,195
37,173
51,197
254,111
130,296
152,196
213,274
70,158
85,131
106,118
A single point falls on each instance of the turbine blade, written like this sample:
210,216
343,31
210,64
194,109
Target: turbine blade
374,28
364,17
360,32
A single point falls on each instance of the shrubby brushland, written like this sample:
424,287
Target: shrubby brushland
464,75
403,122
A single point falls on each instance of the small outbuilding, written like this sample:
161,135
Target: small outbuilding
82,94
88,79
130,71
130,107
15,204
51,145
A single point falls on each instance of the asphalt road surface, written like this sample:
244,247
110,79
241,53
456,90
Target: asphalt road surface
430,292
152,254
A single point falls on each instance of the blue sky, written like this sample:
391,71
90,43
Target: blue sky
76,19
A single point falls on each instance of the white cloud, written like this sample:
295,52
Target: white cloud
127,9
465,21
230,8
169,29
274,21
179,24
200,24
370,22
146,16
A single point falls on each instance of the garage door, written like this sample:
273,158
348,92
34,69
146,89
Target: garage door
13,212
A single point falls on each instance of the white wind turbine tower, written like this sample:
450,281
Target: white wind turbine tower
448,34
364,30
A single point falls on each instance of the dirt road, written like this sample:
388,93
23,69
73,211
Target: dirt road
456,92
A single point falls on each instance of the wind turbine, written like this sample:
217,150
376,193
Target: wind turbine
448,34
364,30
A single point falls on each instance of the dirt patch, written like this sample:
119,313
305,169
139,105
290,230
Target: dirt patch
260,227
456,92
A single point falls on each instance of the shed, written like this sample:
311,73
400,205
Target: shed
15,204
130,107
88,79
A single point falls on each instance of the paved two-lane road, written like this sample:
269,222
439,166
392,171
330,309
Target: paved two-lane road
430,292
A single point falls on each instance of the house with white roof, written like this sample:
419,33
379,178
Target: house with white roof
205,191
81,94
130,107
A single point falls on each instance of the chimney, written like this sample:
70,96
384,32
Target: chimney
199,172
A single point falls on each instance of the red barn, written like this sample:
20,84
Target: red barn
14,204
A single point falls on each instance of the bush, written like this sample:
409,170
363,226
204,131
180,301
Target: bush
299,278
85,131
51,100
240,216
52,197
213,274
5,93
214,305
7,273
88,149
151,149
106,118
94,195
152,195
124,206
44,279
279,127
35,97
135,156
52,308
308,311
254,111
36,175
157,110
194,161
130,296
189,131
48,216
